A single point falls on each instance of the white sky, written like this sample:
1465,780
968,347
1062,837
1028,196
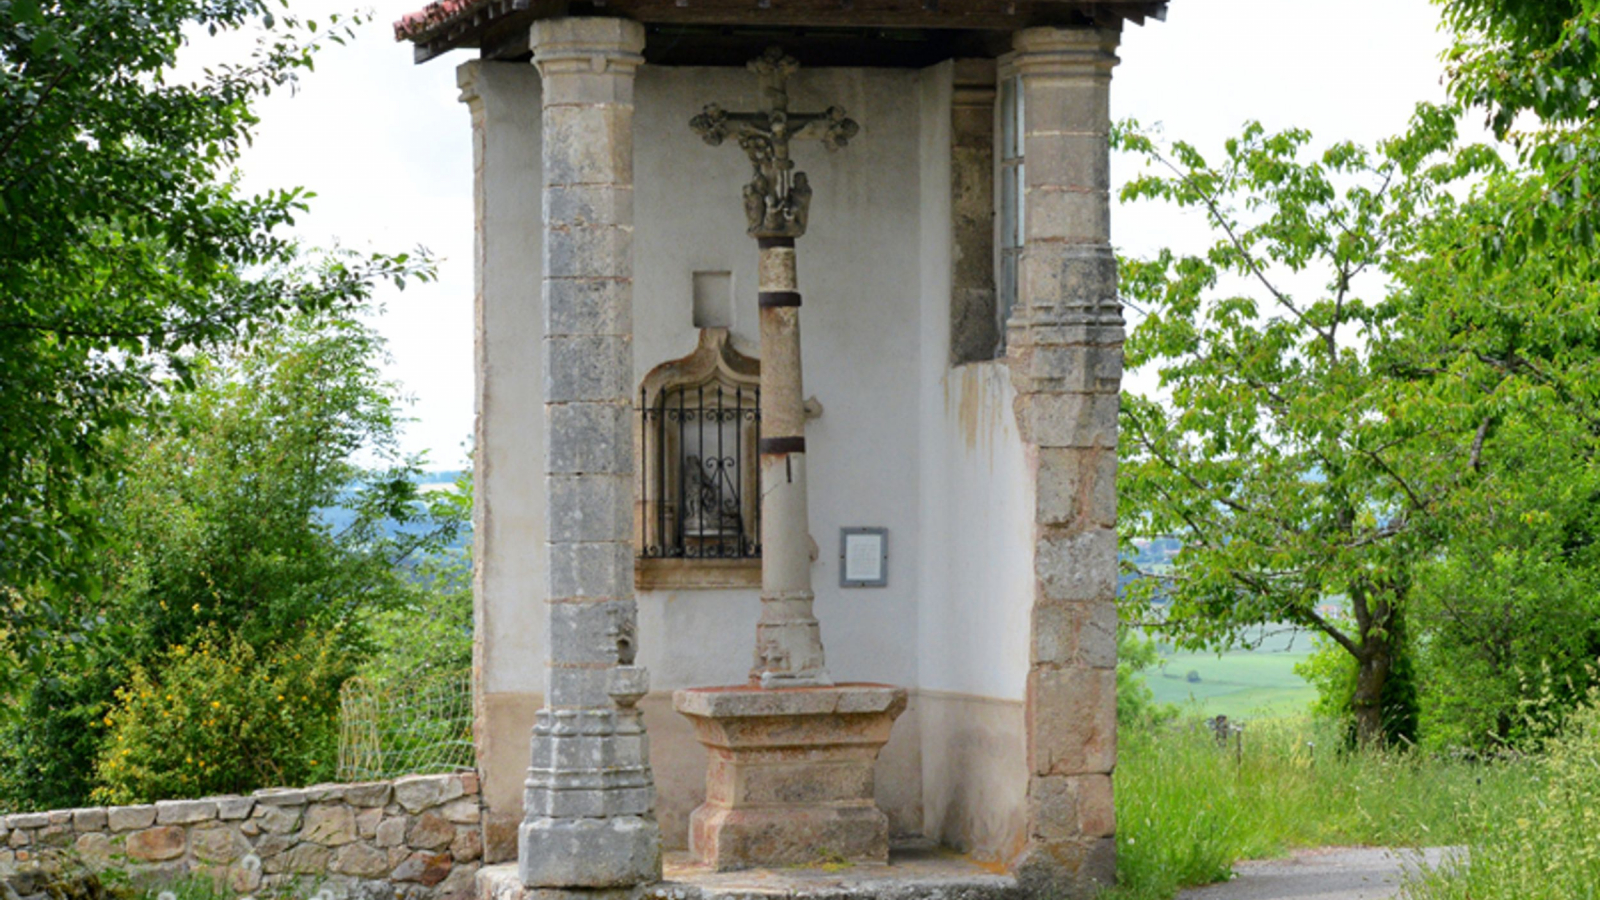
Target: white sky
386,146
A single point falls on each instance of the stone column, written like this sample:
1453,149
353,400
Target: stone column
1065,353
588,819
788,639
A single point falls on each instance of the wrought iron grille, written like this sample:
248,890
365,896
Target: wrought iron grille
699,473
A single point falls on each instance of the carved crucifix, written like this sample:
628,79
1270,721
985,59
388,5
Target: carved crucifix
778,199
777,202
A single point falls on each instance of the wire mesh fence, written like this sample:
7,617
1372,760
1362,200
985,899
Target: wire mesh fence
409,726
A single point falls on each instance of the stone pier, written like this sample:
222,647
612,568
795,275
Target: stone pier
588,809
1065,347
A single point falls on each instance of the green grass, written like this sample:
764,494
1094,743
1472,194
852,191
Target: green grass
1238,684
1187,810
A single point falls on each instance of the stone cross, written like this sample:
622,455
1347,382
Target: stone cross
777,203
777,200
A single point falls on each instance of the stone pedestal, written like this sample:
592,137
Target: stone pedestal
791,774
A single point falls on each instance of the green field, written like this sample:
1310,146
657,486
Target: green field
1239,683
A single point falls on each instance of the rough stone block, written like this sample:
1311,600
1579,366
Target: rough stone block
1075,634
618,852
280,797
500,838
1075,161
1069,420
277,819
591,144
329,824
1077,869
1079,107
274,844
423,868
416,793
305,859
588,306
128,818
372,793
27,820
468,844
1077,566
588,251
245,876
218,843
583,632
588,368
589,437
594,570
232,808
589,508
469,783
430,831
184,812
464,811
1070,807
391,832
94,849
367,822
588,205
571,686
157,844
53,837
1072,720
1060,214
1067,275
361,861
61,817
1076,487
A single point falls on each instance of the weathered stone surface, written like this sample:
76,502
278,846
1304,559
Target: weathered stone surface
500,839
274,844
1072,720
430,832
245,876
375,793
459,882
324,793
27,820
1078,566
468,844
276,819
60,816
280,797
367,821
416,793
184,812
331,825
1064,808
1069,419
423,868
361,861
1077,488
91,818
391,832
93,848
157,844
218,843
19,838
234,808
306,859
464,811
1070,633
54,836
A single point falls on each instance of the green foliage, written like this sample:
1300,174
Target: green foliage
218,717
1547,845
128,249
1188,809
1136,703
216,530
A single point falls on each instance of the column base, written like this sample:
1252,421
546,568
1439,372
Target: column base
621,851
790,780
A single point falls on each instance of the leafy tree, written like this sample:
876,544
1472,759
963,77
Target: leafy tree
1290,454
126,248
218,533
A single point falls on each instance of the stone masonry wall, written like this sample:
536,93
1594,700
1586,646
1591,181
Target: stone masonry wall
415,838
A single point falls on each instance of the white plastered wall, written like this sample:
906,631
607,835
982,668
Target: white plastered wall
905,441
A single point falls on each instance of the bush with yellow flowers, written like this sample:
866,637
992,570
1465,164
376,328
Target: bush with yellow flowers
217,716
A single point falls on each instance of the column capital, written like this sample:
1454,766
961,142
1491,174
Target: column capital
1065,51
587,44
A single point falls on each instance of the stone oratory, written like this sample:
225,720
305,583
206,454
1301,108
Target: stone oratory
660,491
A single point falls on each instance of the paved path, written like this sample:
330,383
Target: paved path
1328,873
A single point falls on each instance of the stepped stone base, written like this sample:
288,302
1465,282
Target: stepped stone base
919,872
790,780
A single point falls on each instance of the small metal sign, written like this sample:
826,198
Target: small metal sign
863,557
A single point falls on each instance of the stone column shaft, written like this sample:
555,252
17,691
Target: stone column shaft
588,819
788,639
1065,353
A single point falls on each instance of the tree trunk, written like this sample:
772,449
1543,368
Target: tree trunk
1367,702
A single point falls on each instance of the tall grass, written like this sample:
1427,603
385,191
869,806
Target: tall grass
1187,809
1546,845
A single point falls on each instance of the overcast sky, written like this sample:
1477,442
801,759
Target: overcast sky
385,144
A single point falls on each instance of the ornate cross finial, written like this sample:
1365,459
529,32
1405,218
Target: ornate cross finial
778,199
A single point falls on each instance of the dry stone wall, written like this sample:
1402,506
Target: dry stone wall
415,838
